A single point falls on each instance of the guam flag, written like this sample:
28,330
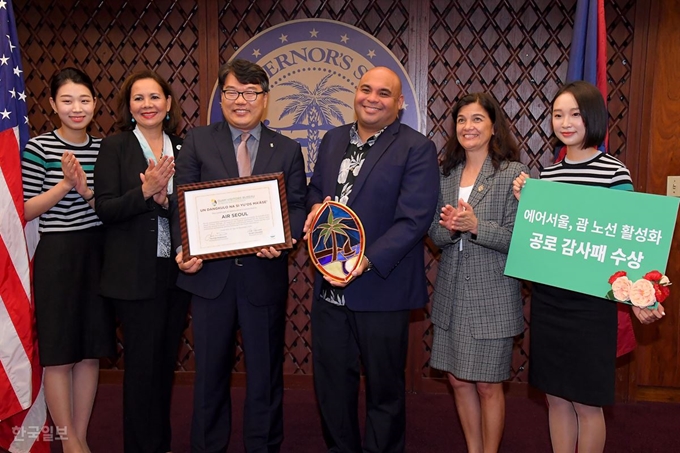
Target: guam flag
588,53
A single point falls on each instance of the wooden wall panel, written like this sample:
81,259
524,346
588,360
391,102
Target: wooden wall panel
515,49
241,20
109,40
518,51
620,20
657,364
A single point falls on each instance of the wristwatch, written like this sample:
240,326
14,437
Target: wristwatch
370,265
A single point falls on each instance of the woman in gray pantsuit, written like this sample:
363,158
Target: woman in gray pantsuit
476,309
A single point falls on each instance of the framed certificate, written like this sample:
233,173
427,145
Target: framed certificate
233,217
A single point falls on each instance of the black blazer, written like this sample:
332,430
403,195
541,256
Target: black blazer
129,269
208,155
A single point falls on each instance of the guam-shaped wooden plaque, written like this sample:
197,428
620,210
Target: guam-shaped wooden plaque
336,241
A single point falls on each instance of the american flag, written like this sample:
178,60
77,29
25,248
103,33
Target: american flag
23,414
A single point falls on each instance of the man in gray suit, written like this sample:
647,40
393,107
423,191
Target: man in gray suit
250,292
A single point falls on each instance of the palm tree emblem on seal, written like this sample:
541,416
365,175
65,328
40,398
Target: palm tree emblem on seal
314,107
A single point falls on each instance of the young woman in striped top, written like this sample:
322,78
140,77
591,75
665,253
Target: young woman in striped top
74,325
573,335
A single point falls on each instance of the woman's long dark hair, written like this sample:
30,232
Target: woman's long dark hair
502,147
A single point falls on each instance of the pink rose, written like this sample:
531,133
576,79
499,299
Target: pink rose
621,288
642,293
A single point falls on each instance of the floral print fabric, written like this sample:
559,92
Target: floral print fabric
349,171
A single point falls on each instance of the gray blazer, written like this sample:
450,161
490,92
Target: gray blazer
470,283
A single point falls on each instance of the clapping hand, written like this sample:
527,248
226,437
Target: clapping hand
461,218
156,176
71,169
465,219
81,183
447,216
160,197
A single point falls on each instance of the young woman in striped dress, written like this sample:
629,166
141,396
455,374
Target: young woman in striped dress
74,325
573,335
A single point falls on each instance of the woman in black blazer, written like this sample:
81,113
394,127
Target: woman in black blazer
133,179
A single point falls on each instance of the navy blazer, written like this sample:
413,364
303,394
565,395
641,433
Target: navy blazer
208,154
395,196
131,238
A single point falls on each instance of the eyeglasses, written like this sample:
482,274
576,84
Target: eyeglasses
232,95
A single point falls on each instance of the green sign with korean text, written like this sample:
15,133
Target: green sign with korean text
576,237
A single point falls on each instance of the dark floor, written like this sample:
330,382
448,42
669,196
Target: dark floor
431,418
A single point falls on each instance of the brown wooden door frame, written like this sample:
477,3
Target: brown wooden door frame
654,368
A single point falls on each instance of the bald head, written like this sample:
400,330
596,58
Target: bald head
377,101
386,75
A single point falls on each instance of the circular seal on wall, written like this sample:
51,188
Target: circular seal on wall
314,66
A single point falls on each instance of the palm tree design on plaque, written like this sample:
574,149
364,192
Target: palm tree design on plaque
315,108
338,234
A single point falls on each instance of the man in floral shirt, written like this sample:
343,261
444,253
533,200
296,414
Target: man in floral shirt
387,174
